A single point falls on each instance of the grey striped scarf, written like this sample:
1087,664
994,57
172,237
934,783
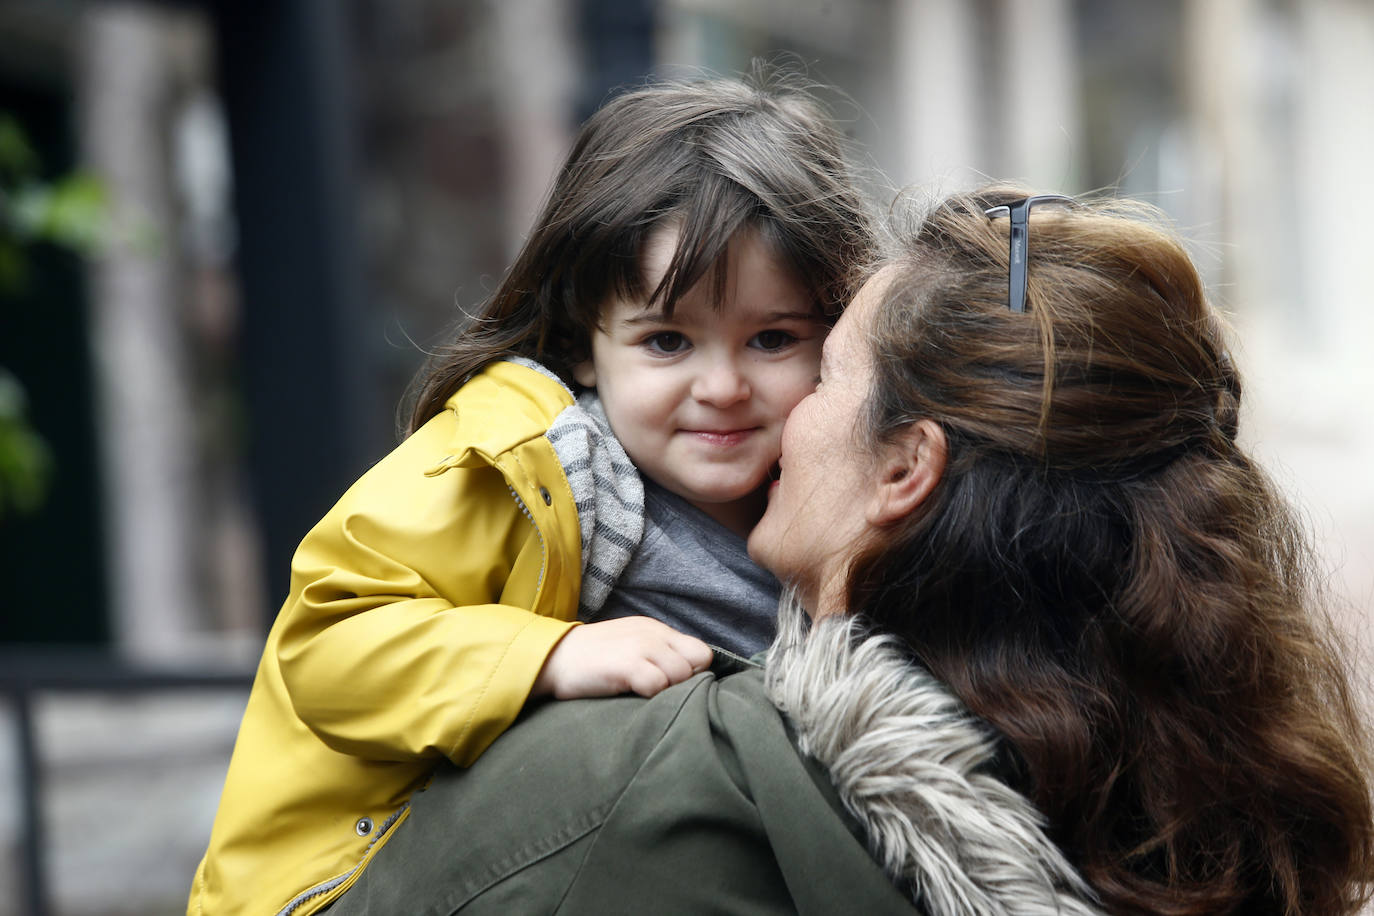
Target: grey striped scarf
606,488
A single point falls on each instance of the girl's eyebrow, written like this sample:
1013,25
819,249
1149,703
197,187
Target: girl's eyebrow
648,316
656,316
791,316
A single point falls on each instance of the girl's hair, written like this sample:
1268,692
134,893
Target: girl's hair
1104,575
715,156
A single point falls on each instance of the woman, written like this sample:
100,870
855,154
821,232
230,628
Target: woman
1063,653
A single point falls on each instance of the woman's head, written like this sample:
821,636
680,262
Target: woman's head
838,486
712,158
1060,421
1097,568
1117,369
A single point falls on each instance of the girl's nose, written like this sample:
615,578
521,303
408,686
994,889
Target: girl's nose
721,384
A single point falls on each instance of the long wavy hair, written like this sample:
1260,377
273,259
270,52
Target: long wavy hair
715,156
1104,574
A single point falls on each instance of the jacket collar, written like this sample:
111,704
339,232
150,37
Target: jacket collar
502,406
915,767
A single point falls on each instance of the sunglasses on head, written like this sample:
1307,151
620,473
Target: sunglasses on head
1019,211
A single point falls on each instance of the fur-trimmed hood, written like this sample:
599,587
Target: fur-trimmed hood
915,767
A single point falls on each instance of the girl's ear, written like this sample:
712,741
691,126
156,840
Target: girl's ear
909,471
585,373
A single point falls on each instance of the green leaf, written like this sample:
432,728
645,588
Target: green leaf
27,210
13,401
71,212
17,158
25,467
25,461
77,212
14,270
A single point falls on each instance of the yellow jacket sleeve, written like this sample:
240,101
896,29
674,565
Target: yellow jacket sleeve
417,620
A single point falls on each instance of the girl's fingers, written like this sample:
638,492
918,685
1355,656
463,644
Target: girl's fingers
696,652
637,654
648,679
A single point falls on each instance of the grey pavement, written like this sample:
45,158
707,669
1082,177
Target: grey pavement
130,790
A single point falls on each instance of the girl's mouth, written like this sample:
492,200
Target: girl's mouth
721,438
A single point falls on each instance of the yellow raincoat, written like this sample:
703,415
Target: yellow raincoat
422,608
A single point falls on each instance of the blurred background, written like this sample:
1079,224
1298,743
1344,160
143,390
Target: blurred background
229,231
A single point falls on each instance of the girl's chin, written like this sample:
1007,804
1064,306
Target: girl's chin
742,494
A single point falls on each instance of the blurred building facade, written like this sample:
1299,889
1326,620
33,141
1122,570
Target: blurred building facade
304,195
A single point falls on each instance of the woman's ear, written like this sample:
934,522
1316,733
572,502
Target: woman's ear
585,373
909,471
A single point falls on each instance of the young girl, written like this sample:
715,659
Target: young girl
693,251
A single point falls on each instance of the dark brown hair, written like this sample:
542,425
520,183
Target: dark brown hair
1104,575
715,155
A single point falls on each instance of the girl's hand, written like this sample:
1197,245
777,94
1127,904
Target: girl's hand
628,654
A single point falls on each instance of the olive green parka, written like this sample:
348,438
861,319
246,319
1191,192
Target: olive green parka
841,778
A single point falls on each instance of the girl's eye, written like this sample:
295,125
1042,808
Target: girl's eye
666,342
773,340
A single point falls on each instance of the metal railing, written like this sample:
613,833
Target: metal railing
27,673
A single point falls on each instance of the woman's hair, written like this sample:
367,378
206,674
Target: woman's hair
1104,575
713,156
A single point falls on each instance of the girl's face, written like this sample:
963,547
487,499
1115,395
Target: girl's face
816,516
698,400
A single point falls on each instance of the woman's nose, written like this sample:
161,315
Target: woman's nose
721,384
